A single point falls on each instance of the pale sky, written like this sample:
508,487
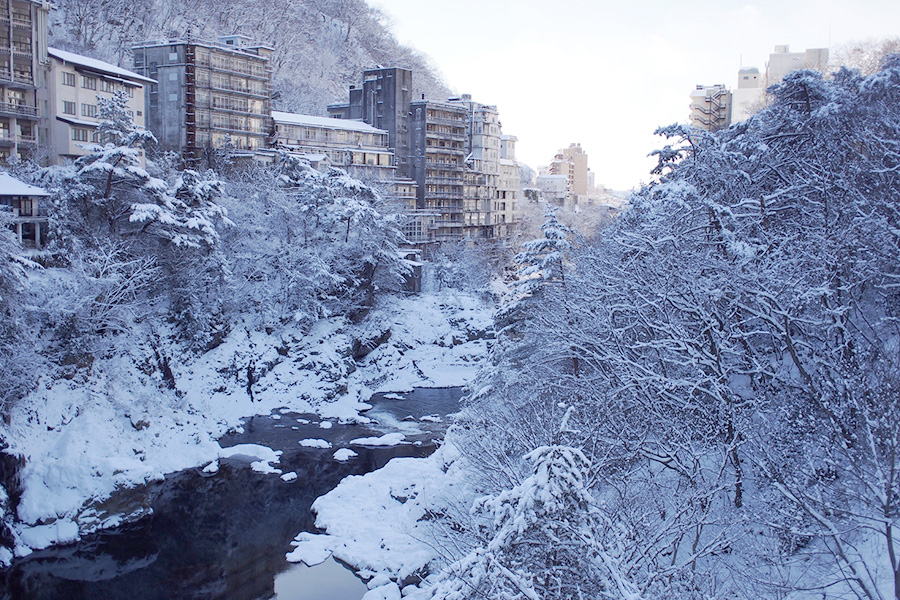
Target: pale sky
606,74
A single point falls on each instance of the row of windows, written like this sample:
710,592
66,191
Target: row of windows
87,110
90,83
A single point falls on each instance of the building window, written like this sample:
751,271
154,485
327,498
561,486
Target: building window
68,79
88,110
106,86
130,91
89,83
68,108
79,135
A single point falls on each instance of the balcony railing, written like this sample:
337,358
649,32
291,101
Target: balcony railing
8,138
18,109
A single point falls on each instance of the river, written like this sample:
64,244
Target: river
225,535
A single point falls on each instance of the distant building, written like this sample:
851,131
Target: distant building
749,96
510,188
23,53
783,61
383,102
29,215
450,151
438,151
209,96
74,84
356,147
711,107
714,107
554,188
571,166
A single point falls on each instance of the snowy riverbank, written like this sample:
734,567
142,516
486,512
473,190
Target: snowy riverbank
117,424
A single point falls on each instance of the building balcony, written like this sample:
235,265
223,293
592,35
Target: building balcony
442,150
460,122
8,139
445,224
22,50
455,167
233,89
18,110
443,180
442,135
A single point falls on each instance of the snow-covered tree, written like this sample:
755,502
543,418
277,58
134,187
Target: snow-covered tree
542,539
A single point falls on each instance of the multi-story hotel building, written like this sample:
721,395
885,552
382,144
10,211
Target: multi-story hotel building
75,84
23,53
208,94
356,147
383,102
438,150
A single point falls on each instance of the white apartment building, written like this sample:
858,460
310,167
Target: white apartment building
357,147
783,61
75,84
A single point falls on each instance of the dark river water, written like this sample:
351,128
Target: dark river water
225,536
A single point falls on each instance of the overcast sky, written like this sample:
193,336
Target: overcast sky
606,74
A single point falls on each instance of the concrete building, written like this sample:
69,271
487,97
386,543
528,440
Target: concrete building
438,148
510,187
711,107
450,150
209,95
29,215
783,61
482,173
383,102
749,96
554,188
74,85
23,54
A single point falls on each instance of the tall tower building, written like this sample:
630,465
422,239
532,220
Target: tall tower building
208,93
23,54
383,102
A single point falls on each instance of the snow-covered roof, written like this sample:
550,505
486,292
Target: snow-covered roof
79,122
324,122
97,65
10,186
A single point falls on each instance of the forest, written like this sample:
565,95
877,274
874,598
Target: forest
697,400
700,401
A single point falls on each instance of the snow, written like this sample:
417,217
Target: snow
292,476
80,437
389,533
388,439
315,443
323,122
96,65
344,454
10,186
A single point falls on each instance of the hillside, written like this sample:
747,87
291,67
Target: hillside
321,46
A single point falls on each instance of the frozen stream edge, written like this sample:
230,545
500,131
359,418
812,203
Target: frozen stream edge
117,427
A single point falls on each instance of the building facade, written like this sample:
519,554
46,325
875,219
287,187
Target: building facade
23,54
208,96
710,107
783,61
356,147
438,150
74,85
30,220
749,96
383,102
